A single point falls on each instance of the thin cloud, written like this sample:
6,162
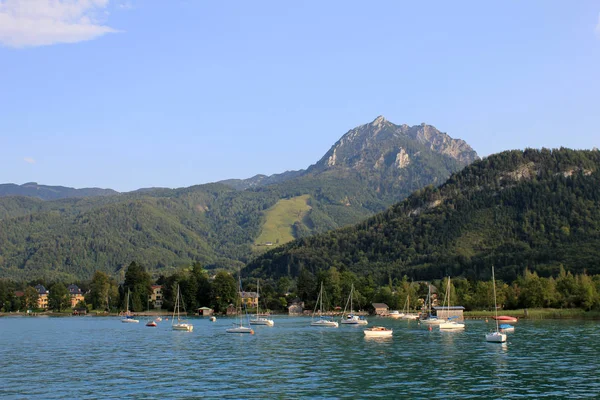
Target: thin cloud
597,29
29,160
28,23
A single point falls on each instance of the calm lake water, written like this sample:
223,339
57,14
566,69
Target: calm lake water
100,357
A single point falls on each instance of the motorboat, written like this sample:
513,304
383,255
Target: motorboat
378,331
506,318
395,314
507,328
151,323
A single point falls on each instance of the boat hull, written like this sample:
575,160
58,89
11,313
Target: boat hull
495,337
240,329
448,326
432,321
326,324
183,327
130,321
262,321
151,323
410,316
378,332
505,318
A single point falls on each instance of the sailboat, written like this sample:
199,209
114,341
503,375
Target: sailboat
406,311
351,318
128,318
496,337
450,323
321,321
431,319
238,327
260,320
179,325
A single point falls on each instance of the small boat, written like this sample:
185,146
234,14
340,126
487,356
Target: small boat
395,314
431,319
238,327
151,323
451,324
128,318
158,319
258,320
507,328
179,326
378,331
406,314
351,318
322,320
495,337
212,319
505,318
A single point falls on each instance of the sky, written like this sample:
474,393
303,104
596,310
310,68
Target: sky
128,94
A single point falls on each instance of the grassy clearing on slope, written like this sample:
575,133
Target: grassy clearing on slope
279,220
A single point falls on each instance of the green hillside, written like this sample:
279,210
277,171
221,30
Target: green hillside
515,210
281,219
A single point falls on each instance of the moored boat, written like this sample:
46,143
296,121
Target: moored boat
495,337
507,328
505,318
378,331
151,323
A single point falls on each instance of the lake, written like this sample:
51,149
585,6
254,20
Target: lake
100,357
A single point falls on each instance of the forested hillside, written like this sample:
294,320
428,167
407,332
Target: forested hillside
370,168
533,209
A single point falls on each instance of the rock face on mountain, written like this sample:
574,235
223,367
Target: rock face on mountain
396,159
381,143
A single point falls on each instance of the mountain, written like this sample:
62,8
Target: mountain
536,209
225,225
44,192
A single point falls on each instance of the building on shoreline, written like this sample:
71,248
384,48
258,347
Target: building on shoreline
42,296
75,294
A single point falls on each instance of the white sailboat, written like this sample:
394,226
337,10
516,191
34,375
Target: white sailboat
258,320
406,311
128,317
322,321
351,318
431,319
495,337
179,325
238,327
450,324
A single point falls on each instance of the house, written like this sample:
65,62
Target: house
76,295
156,297
250,299
446,312
42,296
296,307
381,308
205,311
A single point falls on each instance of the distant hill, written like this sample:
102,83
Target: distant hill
45,192
533,209
224,224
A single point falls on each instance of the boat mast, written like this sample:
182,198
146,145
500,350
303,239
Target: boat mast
495,305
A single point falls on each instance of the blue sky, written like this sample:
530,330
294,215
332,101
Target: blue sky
130,94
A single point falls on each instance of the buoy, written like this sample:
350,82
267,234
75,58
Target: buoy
429,327
486,320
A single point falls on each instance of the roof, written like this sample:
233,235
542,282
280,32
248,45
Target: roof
156,286
41,289
205,308
380,305
248,295
74,289
448,308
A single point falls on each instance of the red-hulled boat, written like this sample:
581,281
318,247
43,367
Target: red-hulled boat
151,323
506,318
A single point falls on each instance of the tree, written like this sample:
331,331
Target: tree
59,298
30,298
139,283
225,290
102,289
